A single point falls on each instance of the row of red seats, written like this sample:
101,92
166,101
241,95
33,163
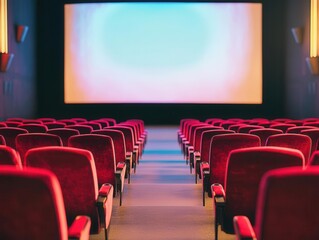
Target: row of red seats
87,162
232,163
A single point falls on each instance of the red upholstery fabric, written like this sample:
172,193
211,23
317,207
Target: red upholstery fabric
26,141
32,206
10,133
54,125
246,129
102,149
75,170
314,160
206,140
46,119
12,123
128,135
282,126
264,133
314,135
118,141
94,125
111,121
78,119
3,124
9,156
64,134
298,129
68,122
83,129
292,140
34,128
2,140
245,169
281,214
243,228
221,146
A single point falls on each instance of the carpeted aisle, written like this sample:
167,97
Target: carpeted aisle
162,201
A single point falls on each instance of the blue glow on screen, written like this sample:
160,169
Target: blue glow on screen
163,53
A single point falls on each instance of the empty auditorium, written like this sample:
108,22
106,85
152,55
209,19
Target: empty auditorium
159,120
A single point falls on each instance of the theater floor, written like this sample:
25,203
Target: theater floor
162,201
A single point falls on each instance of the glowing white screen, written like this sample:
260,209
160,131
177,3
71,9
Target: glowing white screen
163,53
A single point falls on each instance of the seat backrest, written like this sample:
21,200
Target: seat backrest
10,134
247,128
2,140
282,126
314,135
314,159
9,156
26,141
220,148
264,133
32,206
111,121
76,172
298,129
34,127
206,140
283,214
118,142
245,169
94,125
52,125
128,135
102,149
64,134
83,129
292,140
198,135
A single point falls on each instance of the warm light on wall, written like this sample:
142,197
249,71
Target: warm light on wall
314,28
3,27
313,59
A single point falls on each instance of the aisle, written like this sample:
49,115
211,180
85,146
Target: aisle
162,201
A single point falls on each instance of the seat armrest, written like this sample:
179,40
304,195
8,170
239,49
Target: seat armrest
105,192
218,194
243,228
197,154
204,169
129,159
120,165
80,228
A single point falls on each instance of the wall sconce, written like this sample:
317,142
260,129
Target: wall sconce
313,60
21,33
5,57
5,61
297,33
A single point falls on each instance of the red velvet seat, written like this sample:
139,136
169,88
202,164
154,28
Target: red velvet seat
220,147
10,157
264,133
314,159
83,129
280,213
78,119
34,127
111,121
26,141
298,129
247,128
183,127
245,168
10,134
313,124
94,125
54,125
129,142
31,121
103,123
68,122
282,126
76,172
46,119
64,134
194,149
314,135
3,124
203,154
12,123
107,169
2,140
33,207
292,140
121,155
